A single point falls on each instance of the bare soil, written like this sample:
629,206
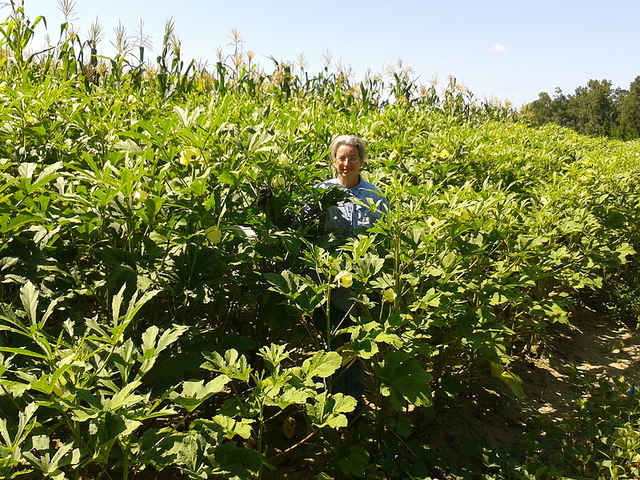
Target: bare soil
587,349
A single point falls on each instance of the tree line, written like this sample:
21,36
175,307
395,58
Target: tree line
596,109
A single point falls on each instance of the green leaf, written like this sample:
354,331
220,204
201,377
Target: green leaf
151,350
15,222
48,174
232,427
124,398
29,297
136,304
328,410
149,338
15,325
322,364
274,354
498,299
624,251
511,380
366,337
170,336
368,266
116,304
237,463
430,299
404,426
292,396
24,351
356,463
27,169
194,393
26,422
403,379
40,442
128,145
232,364
229,177
287,283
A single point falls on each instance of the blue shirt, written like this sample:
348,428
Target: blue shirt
347,217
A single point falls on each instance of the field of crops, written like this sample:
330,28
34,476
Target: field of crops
155,318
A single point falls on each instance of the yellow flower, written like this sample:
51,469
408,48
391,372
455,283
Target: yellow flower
139,196
464,214
58,386
278,182
283,161
304,128
432,221
389,295
344,279
444,153
190,154
214,234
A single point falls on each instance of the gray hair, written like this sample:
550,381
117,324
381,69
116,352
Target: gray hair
351,141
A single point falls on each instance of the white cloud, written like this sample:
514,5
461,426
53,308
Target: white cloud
497,48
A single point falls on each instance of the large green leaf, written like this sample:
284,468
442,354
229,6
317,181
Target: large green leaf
195,392
322,364
231,364
403,379
329,410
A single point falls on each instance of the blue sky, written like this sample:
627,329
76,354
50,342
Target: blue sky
507,49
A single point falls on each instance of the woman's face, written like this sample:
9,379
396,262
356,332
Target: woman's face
348,164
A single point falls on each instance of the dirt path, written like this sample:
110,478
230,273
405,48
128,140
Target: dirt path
588,349
591,346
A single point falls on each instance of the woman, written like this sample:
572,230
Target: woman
348,218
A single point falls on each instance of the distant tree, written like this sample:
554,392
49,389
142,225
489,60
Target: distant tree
540,110
592,109
629,111
596,109
549,110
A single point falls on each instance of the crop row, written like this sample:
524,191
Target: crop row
153,314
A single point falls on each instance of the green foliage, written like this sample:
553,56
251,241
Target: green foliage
153,315
596,109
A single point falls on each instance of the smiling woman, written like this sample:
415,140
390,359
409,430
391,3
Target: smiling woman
348,154
362,208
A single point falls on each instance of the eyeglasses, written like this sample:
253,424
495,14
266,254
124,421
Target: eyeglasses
348,159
